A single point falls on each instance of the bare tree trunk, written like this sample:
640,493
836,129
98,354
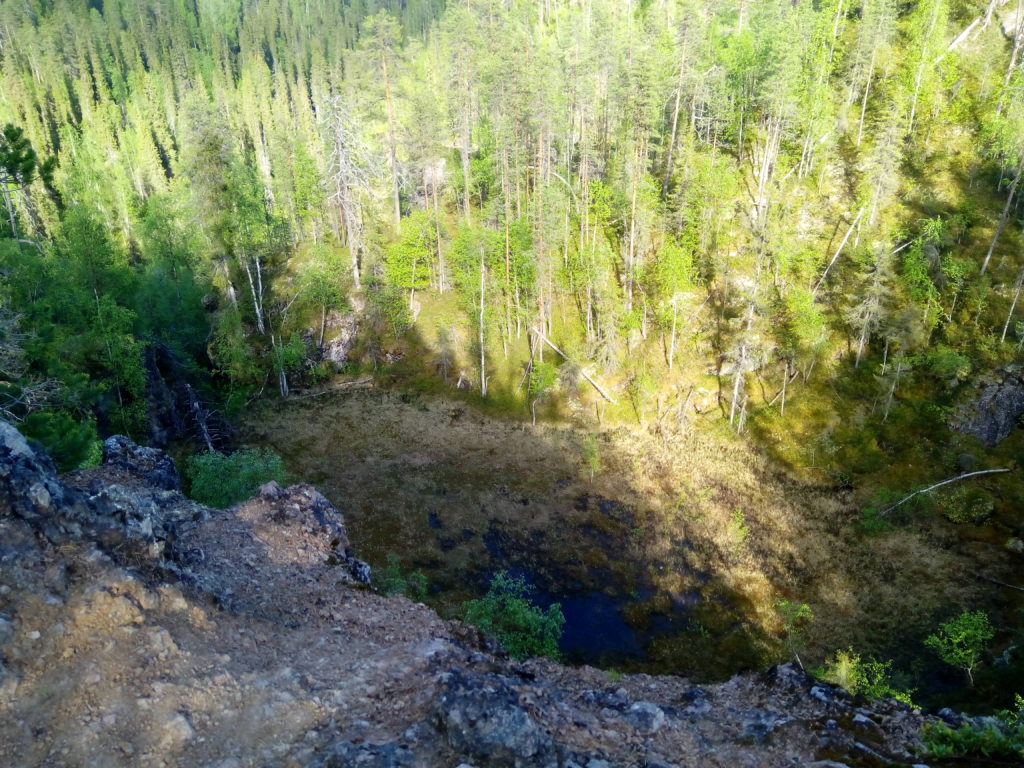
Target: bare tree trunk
1005,215
464,138
392,150
483,351
1018,40
672,344
1013,305
256,303
631,252
785,381
839,250
867,90
10,210
892,389
675,125
921,65
437,234
232,293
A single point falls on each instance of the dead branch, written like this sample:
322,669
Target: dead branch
930,488
983,577
583,373
346,386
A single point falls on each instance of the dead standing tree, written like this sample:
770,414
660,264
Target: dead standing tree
350,171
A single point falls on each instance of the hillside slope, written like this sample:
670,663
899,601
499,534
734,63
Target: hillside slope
138,628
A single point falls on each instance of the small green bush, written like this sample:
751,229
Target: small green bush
220,480
738,529
507,613
964,504
998,737
392,581
867,677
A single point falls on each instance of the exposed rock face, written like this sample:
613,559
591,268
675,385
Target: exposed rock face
150,464
342,332
481,716
141,628
30,490
992,413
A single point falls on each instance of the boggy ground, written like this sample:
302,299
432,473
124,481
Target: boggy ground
140,629
670,559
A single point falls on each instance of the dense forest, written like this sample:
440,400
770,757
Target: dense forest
802,218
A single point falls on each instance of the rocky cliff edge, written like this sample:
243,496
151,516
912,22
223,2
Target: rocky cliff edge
138,628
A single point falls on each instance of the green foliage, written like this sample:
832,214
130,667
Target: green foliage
794,617
220,480
389,307
868,677
961,641
964,504
737,530
392,581
1000,737
543,376
71,442
947,363
507,613
408,261
875,517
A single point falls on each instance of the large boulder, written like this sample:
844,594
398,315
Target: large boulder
30,490
993,410
278,556
480,716
151,465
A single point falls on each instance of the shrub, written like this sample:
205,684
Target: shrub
393,582
738,529
869,678
964,504
220,480
507,613
1001,736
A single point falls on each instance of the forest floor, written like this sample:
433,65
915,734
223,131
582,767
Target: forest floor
676,551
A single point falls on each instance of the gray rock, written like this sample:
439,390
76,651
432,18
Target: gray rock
480,717
788,677
30,490
757,724
992,412
271,491
646,717
605,700
149,464
950,717
343,332
349,755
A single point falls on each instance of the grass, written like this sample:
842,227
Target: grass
504,494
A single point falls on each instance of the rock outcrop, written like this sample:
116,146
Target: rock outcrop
994,409
140,628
